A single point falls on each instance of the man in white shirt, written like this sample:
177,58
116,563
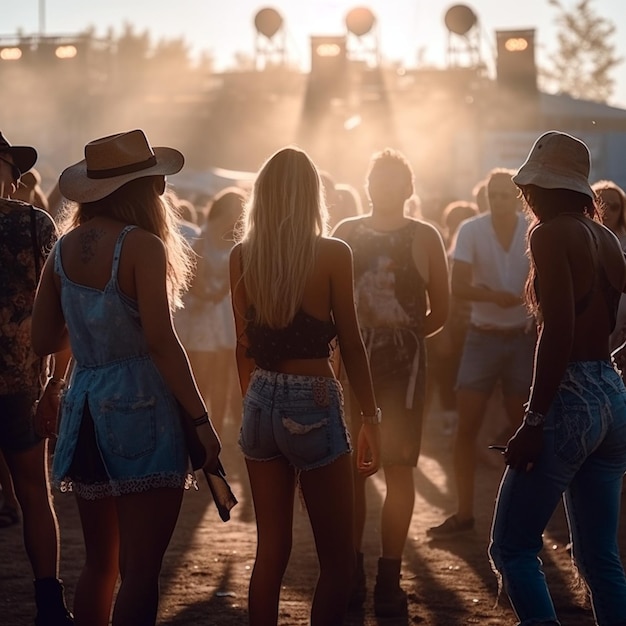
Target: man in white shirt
490,269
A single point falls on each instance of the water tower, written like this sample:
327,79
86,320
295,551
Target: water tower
463,37
270,40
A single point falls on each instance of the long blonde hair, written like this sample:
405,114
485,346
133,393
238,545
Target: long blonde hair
139,203
282,221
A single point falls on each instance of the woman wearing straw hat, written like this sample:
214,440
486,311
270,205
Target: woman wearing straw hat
572,442
108,288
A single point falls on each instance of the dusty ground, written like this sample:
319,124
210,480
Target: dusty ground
208,565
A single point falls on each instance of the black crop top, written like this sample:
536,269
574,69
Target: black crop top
306,337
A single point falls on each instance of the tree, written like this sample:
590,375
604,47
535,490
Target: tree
585,56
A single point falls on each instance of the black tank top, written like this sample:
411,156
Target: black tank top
306,337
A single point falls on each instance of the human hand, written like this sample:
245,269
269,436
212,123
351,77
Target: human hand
524,448
368,449
212,445
506,300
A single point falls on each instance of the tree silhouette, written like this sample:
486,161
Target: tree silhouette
585,57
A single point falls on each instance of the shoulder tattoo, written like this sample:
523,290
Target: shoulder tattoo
88,240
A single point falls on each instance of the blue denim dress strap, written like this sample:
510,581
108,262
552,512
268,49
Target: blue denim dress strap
135,416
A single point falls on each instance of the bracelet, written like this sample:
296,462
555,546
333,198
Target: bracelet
57,381
203,419
534,418
372,419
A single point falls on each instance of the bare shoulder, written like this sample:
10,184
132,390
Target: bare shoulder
345,226
334,248
144,243
426,233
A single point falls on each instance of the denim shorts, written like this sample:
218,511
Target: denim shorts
497,356
300,418
17,423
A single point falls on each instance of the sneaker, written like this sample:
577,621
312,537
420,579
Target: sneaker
451,527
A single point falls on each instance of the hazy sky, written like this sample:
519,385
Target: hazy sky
224,27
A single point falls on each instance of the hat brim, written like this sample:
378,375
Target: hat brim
24,157
542,177
75,184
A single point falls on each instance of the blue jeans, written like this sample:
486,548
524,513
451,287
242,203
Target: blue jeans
297,417
583,460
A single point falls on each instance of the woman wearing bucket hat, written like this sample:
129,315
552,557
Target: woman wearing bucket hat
572,443
108,288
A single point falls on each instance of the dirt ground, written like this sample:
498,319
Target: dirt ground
208,564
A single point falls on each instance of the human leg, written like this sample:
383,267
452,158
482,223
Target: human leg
472,405
272,484
29,471
592,505
146,522
94,590
328,493
9,513
41,534
524,505
217,380
389,598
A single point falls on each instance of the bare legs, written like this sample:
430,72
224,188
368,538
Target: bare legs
29,470
472,406
328,495
137,527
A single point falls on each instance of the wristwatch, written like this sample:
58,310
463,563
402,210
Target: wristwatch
372,419
534,418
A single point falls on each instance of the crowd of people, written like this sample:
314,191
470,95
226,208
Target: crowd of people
138,326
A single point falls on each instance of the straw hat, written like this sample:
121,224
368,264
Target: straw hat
24,157
111,162
557,161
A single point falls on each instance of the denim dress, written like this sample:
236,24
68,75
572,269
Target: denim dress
117,410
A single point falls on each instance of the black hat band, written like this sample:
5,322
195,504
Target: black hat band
124,169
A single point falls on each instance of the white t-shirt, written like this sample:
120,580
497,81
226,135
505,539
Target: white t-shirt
494,268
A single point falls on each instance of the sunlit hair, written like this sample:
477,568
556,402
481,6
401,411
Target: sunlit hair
282,221
479,192
139,202
390,162
228,201
544,205
453,214
498,173
606,185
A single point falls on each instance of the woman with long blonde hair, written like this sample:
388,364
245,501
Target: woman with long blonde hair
292,292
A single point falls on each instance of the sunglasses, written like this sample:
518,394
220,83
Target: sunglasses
15,170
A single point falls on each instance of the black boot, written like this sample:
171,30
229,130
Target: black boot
389,598
50,600
359,590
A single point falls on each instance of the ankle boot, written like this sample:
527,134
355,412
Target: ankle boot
50,601
389,598
359,590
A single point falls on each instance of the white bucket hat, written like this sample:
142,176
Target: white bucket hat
112,161
557,161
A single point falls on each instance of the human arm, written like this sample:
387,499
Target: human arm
464,288
150,271
245,365
437,281
47,412
353,352
48,330
549,253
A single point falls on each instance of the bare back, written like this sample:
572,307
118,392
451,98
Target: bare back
591,259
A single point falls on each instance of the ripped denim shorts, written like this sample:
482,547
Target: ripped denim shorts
300,418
